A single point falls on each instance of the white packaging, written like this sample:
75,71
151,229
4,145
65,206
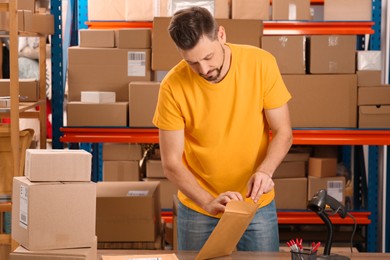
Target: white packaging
176,5
369,60
98,97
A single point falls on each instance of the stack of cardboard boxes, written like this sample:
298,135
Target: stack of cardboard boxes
54,206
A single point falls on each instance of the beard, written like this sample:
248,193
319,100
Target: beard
212,78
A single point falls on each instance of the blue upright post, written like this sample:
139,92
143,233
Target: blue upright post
372,190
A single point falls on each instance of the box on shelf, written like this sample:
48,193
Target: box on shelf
5,102
121,171
26,5
374,95
322,100
140,10
374,116
289,52
291,10
103,10
53,215
128,211
322,167
291,193
296,156
292,169
38,23
4,21
347,10
134,38
57,165
84,114
154,169
221,9
98,97
251,9
96,38
122,152
333,185
366,78
369,60
28,89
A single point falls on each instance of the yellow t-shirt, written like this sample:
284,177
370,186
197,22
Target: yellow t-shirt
226,134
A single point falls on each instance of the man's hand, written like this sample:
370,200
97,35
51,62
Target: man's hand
258,184
218,204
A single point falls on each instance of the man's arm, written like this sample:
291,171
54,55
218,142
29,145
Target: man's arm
279,122
172,147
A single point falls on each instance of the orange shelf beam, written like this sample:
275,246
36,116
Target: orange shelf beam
5,207
288,217
302,137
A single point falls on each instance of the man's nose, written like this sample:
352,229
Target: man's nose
203,68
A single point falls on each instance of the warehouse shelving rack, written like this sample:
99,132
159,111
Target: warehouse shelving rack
349,137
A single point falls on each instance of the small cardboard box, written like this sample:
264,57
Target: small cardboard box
57,165
154,169
121,171
167,189
367,78
38,23
134,38
347,10
322,167
332,54
98,97
251,9
86,114
122,152
374,116
291,193
291,10
128,211
142,103
96,38
28,89
333,185
26,5
289,52
103,10
292,169
374,95
53,215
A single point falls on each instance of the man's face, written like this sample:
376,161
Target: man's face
206,59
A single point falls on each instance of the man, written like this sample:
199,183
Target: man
214,113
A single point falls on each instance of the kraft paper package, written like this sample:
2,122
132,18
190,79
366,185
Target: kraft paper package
230,228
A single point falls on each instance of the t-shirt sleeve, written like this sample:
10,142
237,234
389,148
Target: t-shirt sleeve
276,93
167,115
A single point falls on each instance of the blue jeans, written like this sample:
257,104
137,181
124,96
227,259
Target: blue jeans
262,234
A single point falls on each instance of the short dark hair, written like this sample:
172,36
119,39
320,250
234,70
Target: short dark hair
189,25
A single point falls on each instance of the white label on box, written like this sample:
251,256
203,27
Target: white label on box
335,189
137,193
23,208
136,64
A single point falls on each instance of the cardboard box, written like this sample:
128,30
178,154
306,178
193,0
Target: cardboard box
332,54
295,156
26,5
128,211
5,250
5,102
86,253
167,256
106,69
134,38
154,169
333,185
122,152
167,191
139,10
322,100
221,9
66,219
374,116
366,78
106,10
369,60
164,9
96,38
347,10
38,23
58,165
28,89
121,171
84,114
291,10
142,103
374,95
4,20
292,169
165,55
322,167
251,9
291,193
98,97
289,52
158,244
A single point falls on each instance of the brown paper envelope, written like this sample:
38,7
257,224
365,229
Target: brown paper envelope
227,233
143,257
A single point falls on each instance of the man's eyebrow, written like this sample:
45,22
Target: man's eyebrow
209,55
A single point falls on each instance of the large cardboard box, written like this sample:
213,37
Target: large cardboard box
89,114
98,97
167,191
121,171
292,169
106,69
322,100
164,52
291,10
251,9
106,10
53,215
38,23
289,52
140,10
221,9
374,95
347,10
333,185
374,116
332,54
128,211
291,193
4,20
142,103
122,152
26,5
28,89
366,78
96,38
154,169
134,38
57,165
322,167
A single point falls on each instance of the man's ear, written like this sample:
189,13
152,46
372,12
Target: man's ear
221,34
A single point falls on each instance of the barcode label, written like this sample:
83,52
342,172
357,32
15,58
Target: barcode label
137,193
136,64
335,189
23,208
